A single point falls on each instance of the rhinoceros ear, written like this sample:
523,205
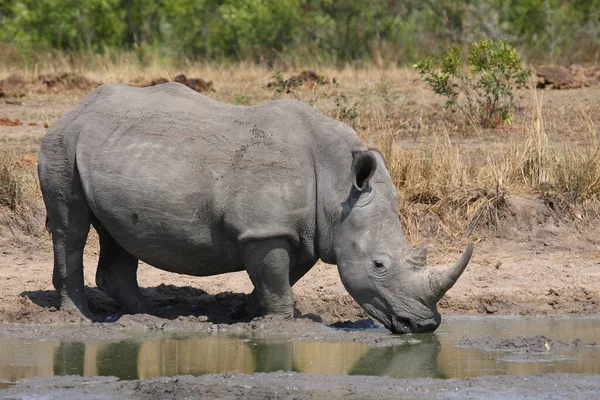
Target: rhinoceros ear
364,165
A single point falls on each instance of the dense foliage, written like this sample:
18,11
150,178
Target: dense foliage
383,31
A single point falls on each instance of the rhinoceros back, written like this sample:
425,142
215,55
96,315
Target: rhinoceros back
181,181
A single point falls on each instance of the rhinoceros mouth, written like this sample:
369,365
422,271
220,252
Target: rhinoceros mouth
379,316
401,325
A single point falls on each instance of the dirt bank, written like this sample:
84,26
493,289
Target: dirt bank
307,386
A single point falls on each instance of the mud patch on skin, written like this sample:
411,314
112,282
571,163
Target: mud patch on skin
533,344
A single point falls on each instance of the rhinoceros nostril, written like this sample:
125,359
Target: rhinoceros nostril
402,324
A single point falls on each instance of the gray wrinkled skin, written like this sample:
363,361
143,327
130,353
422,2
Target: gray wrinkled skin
197,187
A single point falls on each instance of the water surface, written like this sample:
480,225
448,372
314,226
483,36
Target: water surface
429,355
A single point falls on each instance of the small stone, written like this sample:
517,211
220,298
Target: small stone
491,309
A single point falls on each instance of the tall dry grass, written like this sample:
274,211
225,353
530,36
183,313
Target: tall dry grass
554,165
20,198
450,189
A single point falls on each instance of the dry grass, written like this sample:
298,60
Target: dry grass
453,179
19,193
18,183
448,189
564,169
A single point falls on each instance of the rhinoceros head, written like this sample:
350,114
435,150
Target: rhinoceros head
378,267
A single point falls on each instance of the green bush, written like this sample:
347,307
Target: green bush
328,31
494,68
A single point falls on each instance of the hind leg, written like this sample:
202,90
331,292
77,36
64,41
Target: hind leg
69,219
117,274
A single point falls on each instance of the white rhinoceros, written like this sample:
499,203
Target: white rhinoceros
198,187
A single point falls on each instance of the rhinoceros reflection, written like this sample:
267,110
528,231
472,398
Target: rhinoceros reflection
211,354
328,358
410,360
129,359
197,355
405,360
69,358
118,359
194,356
273,356
23,359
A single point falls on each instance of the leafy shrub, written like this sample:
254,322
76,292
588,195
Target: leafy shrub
344,110
493,69
280,85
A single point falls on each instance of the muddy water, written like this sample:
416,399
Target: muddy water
432,355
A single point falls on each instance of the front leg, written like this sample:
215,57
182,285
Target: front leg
268,263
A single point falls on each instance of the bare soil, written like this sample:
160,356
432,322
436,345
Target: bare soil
292,385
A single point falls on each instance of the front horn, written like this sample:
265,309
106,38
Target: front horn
441,282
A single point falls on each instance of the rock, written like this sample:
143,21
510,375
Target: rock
197,84
559,77
489,309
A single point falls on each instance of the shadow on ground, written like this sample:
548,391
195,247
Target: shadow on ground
167,301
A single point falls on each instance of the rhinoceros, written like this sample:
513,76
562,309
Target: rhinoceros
194,186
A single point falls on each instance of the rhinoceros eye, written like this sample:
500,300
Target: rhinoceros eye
380,263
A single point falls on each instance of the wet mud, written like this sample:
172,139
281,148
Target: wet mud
301,329
538,343
294,385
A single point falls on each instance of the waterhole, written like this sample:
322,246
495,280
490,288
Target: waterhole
436,355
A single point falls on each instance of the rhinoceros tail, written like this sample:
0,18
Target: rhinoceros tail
47,225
